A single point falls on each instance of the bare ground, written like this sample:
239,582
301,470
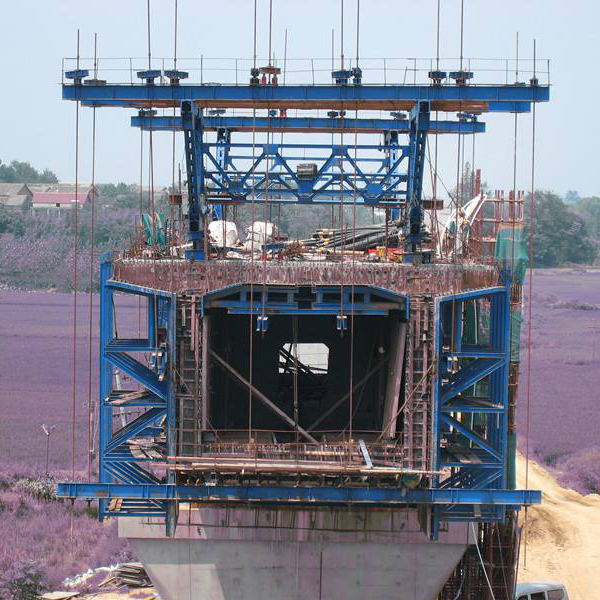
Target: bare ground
561,537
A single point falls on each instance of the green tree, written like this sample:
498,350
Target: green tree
466,186
120,195
12,221
589,209
560,235
23,172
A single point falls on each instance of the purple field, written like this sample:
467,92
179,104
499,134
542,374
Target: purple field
564,423
36,387
36,345
36,331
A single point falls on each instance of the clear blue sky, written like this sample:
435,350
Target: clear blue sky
36,125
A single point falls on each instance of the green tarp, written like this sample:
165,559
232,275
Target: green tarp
511,252
150,228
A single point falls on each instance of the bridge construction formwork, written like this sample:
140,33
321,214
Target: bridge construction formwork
319,418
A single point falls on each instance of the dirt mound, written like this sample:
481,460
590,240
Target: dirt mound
563,535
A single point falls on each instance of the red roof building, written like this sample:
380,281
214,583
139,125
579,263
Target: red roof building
54,200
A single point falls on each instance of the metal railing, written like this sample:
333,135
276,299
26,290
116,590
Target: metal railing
314,71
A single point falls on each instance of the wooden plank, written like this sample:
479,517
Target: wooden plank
115,504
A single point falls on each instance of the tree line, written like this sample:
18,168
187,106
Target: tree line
23,172
36,247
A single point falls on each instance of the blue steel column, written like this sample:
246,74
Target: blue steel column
106,370
392,156
506,332
419,125
172,508
191,117
223,148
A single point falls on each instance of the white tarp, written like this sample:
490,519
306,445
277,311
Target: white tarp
260,232
223,233
464,221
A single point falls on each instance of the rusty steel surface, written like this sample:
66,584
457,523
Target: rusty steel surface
182,277
331,458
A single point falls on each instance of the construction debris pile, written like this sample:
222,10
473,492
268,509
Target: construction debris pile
357,238
128,575
264,238
377,240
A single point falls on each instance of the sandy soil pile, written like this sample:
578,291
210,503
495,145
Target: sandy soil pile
563,535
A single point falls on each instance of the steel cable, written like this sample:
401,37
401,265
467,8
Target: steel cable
251,316
91,281
530,302
74,348
353,262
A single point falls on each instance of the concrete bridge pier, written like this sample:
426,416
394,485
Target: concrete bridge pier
233,553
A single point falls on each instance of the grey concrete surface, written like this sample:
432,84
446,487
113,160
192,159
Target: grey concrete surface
258,554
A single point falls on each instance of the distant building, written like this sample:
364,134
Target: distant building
15,195
37,188
56,201
57,196
85,189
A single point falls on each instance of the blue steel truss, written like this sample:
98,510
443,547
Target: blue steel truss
470,424
155,404
215,174
471,394
221,172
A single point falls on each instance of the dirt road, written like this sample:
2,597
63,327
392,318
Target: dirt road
563,536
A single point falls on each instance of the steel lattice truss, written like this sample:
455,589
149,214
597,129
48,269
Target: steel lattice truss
226,171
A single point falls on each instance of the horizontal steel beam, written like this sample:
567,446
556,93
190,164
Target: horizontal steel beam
130,288
469,375
365,300
129,345
473,98
316,495
477,293
491,107
138,372
305,125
